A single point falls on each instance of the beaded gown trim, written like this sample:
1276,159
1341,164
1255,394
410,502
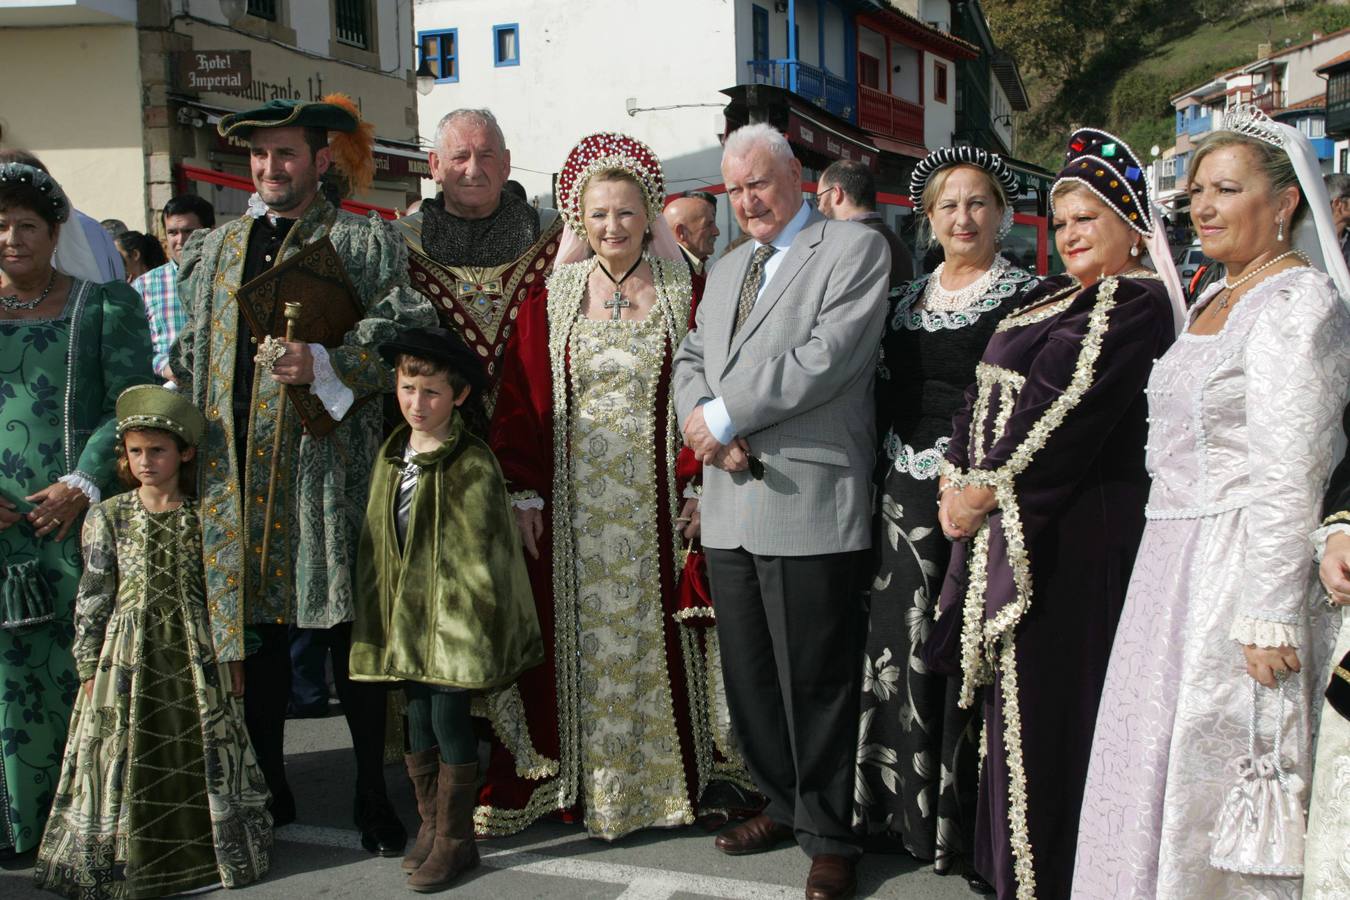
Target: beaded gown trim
1008,282
604,377
987,644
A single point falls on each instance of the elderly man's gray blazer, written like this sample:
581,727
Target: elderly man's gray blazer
797,382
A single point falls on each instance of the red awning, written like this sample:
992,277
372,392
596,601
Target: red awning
809,132
901,148
224,179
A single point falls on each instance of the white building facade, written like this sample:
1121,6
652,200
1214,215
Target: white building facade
660,72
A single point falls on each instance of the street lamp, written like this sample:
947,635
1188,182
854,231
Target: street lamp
233,10
426,79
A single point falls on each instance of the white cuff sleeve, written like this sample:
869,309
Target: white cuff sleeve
335,396
719,420
692,492
528,503
83,484
1264,633
1319,537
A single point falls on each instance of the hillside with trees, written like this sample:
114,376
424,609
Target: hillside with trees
1116,63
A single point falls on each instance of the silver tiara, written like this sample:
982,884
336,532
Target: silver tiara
1251,121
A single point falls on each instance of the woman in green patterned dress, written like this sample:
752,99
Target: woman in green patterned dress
67,349
159,790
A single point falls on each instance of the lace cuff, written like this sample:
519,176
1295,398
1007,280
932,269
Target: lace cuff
84,484
1264,633
1319,537
336,397
526,500
693,491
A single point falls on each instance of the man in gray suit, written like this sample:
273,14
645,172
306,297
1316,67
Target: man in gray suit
775,392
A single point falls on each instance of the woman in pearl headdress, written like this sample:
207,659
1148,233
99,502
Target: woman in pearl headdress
918,761
615,728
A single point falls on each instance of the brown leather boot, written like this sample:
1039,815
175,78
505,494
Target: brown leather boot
423,769
454,850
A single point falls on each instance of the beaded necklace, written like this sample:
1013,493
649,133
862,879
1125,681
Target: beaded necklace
1229,286
937,297
12,301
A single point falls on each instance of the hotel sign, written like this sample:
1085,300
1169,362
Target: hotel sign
222,71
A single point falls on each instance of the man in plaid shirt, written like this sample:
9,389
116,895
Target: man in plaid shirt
182,216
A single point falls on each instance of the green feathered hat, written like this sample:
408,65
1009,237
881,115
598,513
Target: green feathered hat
289,114
152,406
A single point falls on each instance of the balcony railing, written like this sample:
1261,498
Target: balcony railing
1266,101
829,92
889,116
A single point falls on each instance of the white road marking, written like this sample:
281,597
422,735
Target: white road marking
642,882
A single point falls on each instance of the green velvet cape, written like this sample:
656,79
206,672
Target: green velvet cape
454,607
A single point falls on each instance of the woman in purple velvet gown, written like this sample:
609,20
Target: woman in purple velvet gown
1044,484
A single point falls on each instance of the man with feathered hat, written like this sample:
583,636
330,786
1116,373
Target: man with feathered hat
315,490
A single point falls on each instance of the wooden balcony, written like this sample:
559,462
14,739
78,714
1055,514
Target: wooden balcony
880,113
1267,102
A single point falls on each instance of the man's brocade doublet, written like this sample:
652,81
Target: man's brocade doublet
323,482
476,272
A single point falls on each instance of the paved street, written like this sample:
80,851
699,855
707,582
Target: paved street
320,855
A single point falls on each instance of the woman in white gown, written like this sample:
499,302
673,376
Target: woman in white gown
1244,411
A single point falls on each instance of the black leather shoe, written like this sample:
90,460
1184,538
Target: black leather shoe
381,831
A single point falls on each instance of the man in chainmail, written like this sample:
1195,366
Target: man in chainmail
471,244
473,221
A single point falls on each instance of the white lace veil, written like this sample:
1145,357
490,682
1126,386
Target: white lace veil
1315,236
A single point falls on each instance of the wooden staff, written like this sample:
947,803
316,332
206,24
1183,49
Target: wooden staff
292,313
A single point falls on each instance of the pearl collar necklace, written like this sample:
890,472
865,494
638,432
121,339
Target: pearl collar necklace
938,298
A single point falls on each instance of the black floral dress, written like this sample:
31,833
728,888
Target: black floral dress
917,751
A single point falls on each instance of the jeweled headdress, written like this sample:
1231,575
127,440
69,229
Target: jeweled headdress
947,157
609,150
20,173
1244,118
1106,165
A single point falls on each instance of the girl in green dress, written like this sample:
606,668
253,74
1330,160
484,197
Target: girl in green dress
159,791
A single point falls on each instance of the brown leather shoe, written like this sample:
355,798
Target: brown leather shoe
755,836
831,878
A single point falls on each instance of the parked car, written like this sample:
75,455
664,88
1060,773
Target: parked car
1190,260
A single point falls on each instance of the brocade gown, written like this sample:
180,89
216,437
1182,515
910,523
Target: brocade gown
59,381
917,751
1055,425
615,726
1244,426
159,789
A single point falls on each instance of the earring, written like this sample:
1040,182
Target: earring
1134,249
1279,235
